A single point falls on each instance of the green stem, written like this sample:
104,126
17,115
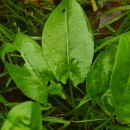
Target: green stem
10,60
3,74
72,100
83,121
105,122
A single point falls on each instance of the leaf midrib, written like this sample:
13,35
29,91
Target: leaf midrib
67,31
29,65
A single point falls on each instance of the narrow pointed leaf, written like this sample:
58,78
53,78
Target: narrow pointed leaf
68,43
22,116
3,100
98,78
32,78
120,80
8,33
56,120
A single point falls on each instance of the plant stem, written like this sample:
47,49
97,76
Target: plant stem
3,74
72,100
83,121
105,122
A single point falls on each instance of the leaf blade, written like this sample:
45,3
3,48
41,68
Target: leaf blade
32,78
20,117
98,78
67,52
120,79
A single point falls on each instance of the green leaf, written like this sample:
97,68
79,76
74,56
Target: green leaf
67,42
25,116
56,120
112,127
7,32
98,78
101,2
3,100
36,117
55,89
32,78
120,80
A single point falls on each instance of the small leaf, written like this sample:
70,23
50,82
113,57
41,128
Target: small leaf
33,77
120,80
98,78
56,89
22,116
67,42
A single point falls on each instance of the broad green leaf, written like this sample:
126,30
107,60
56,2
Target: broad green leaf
32,78
25,116
98,78
67,42
120,80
